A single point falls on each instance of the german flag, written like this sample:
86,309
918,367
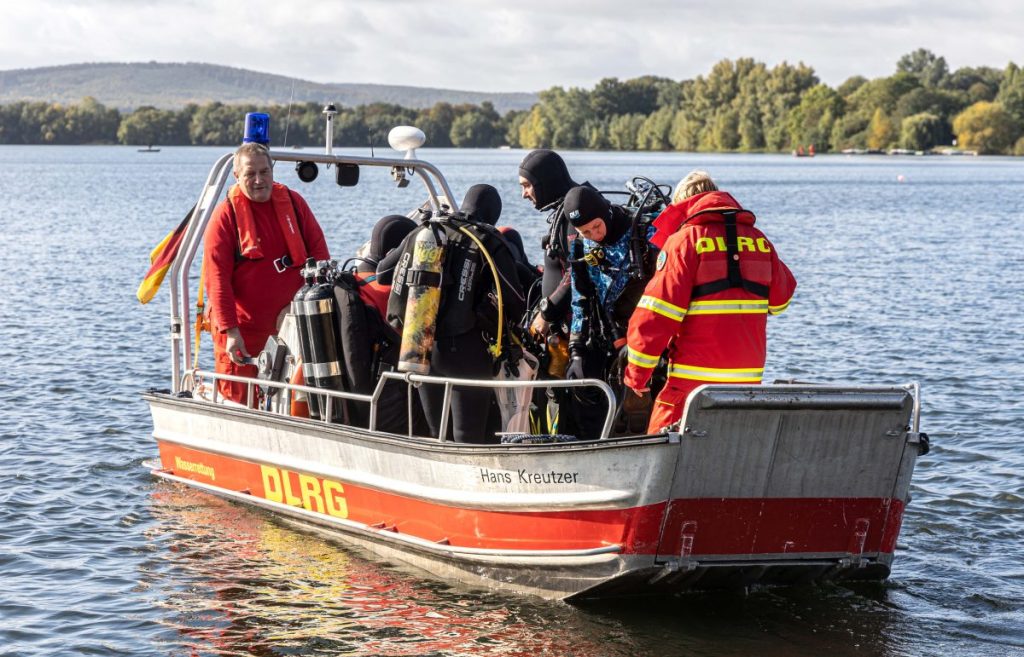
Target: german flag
160,259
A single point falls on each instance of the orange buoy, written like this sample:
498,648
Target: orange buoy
300,405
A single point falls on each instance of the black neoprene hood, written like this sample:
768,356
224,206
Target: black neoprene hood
482,203
584,204
546,171
388,233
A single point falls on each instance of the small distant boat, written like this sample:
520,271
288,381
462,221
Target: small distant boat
800,152
149,149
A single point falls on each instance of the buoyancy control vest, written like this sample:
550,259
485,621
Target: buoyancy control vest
368,347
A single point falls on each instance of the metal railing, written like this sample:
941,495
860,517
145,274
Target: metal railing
411,381
178,276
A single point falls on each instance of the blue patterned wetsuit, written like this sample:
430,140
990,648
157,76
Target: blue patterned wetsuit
609,279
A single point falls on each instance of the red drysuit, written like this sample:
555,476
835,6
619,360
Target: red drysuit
248,282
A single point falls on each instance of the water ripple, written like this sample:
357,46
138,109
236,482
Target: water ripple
897,283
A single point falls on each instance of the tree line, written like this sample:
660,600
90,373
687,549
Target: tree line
739,105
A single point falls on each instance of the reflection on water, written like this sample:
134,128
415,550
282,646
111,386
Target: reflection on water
235,582
238,583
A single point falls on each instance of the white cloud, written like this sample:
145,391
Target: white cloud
522,46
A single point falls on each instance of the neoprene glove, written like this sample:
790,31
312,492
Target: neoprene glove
575,368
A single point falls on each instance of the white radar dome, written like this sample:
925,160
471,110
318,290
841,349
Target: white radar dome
406,138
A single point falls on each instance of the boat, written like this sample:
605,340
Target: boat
149,149
773,484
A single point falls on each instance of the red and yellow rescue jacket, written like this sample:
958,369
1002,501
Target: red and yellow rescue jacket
713,326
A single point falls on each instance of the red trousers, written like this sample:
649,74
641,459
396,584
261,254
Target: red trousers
236,392
668,406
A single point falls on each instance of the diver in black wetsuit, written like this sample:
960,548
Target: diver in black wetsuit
545,180
467,318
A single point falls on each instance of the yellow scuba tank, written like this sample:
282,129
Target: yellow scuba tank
424,297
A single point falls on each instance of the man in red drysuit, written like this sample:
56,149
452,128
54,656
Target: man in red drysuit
717,280
254,246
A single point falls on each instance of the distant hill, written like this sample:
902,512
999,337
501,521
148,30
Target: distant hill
172,86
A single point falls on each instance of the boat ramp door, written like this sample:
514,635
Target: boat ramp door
771,474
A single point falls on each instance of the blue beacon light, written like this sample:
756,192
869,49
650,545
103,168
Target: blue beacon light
257,128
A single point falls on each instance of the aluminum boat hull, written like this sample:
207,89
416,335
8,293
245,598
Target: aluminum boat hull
765,484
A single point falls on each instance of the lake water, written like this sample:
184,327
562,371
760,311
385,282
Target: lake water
908,269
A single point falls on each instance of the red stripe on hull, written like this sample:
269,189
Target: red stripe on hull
635,529
694,527
781,525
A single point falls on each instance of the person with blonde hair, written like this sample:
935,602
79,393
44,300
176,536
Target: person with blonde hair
695,182
717,279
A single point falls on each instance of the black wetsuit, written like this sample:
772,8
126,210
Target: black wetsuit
546,171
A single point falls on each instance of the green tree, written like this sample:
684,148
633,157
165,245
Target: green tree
979,83
596,133
216,124
811,122
685,133
436,124
13,129
784,88
986,128
623,131
89,121
1011,92
474,129
921,132
654,133
535,130
513,125
146,126
642,95
725,133
851,85
923,64
850,131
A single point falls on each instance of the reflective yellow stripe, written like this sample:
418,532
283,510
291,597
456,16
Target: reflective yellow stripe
717,375
640,359
775,310
663,308
729,307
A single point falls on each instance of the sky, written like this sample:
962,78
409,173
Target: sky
513,45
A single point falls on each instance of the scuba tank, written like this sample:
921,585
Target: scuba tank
298,310
324,365
423,278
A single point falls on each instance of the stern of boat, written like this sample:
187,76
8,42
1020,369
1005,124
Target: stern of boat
784,484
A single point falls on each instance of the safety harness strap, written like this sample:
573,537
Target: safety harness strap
733,276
